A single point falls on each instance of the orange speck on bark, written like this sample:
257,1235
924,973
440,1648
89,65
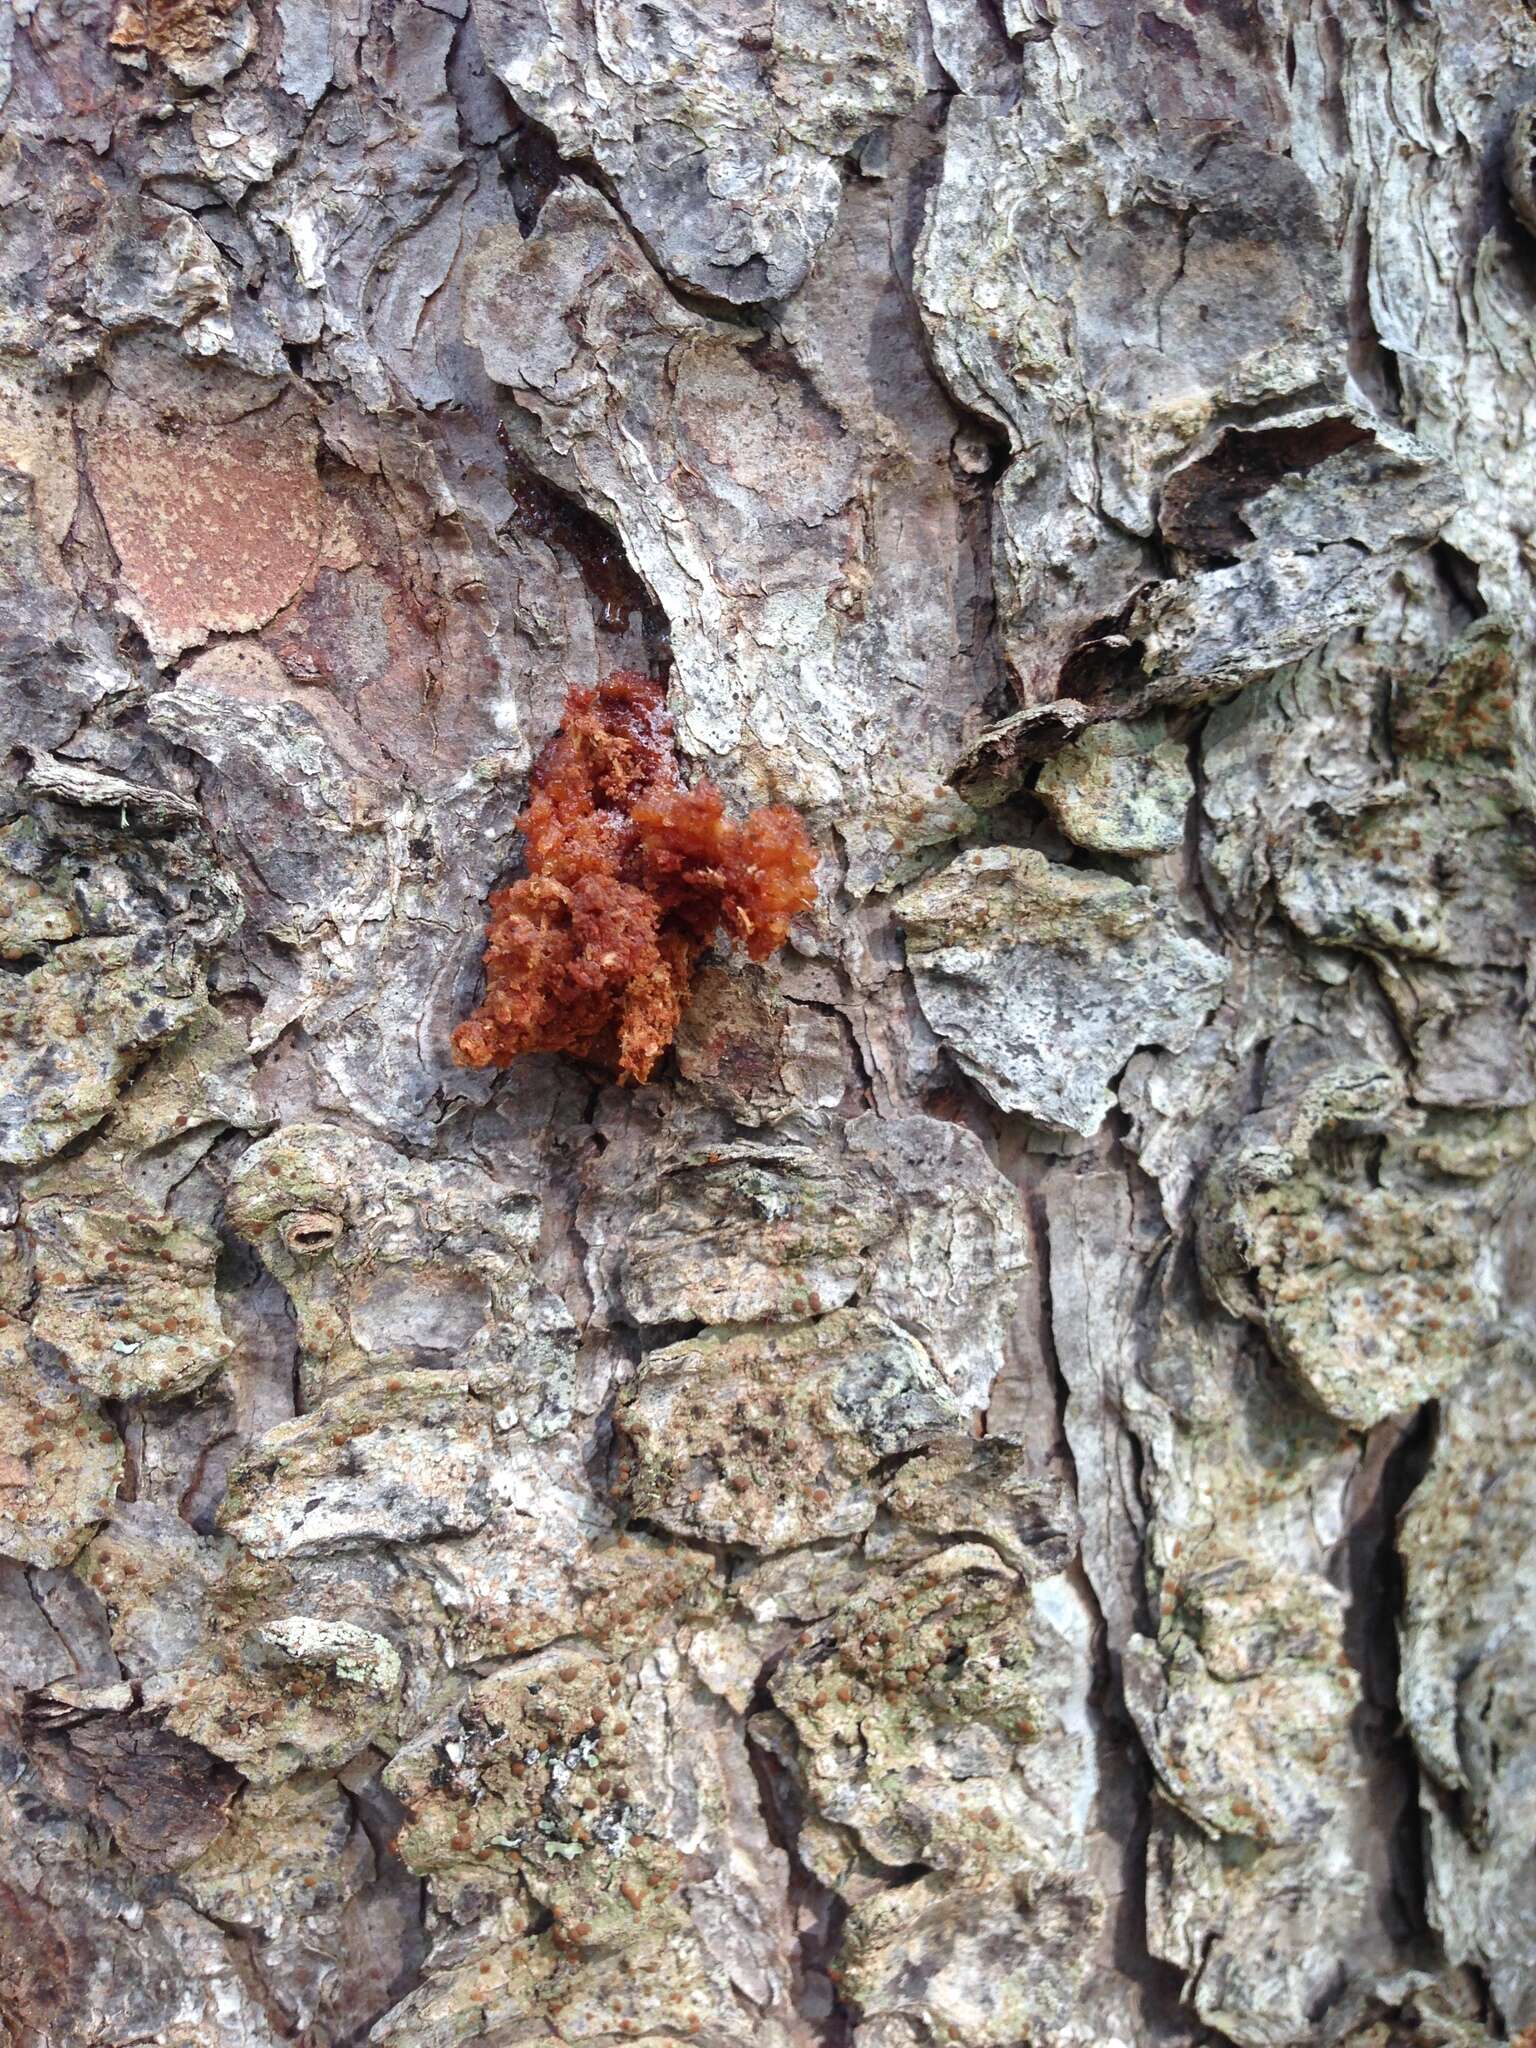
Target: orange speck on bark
630,876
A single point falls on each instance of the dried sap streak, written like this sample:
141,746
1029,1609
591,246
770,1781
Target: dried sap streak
630,875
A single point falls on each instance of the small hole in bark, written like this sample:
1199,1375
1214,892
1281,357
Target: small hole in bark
979,450
310,1233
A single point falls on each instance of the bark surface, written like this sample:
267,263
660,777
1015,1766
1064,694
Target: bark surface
994,1501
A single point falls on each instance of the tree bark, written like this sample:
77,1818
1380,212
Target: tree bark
992,1501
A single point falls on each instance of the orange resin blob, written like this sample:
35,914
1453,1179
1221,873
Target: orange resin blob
630,876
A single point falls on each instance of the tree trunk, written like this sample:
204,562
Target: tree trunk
992,1501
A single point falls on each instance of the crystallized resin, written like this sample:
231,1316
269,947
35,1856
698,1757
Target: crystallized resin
630,876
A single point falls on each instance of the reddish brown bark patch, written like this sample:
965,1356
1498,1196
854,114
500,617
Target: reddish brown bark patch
170,28
215,528
630,876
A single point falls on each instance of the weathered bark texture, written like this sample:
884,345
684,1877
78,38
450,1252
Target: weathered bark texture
994,1502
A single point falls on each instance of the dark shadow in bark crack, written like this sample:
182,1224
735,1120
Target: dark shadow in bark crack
818,1911
618,594
1395,1460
